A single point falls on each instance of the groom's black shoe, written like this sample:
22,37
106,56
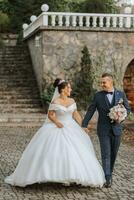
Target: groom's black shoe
108,183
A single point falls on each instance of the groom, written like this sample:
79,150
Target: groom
109,133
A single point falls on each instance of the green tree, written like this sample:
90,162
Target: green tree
83,88
99,6
19,11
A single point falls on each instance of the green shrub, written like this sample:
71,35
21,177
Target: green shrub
47,95
4,22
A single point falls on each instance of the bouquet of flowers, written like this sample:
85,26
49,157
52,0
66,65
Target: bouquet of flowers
118,113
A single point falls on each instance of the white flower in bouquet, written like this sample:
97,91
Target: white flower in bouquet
118,113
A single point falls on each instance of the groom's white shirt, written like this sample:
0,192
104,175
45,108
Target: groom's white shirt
110,96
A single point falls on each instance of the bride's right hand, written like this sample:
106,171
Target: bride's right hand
59,125
86,130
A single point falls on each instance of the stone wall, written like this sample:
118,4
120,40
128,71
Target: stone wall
36,53
59,53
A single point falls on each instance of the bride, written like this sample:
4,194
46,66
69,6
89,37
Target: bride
60,151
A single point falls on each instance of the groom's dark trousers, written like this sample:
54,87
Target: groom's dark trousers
109,133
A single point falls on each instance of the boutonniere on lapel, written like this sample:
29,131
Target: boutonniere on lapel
120,101
118,113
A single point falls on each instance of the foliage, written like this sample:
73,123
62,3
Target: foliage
4,22
1,42
47,95
64,5
131,116
99,6
19,11
83,88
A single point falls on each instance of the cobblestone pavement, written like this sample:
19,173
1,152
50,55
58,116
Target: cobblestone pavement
12,144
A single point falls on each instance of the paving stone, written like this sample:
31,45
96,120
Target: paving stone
13,141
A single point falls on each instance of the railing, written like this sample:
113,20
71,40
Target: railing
89,20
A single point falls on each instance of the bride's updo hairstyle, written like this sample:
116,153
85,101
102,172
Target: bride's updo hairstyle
60,83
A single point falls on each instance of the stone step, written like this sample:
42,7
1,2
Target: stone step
14,77
21,110
14,63
18,105
13,60
18,87
14,94
19,93
16,74
12,52
22,119
15,53
15,100
11,117
14,49
18,70
21,124
15,66
22,95
23,91
18,84
17,81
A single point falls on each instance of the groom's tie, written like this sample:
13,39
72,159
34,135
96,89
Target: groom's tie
109,93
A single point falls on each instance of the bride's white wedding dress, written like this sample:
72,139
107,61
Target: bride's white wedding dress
63,155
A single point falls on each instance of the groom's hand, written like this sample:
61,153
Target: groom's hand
90,127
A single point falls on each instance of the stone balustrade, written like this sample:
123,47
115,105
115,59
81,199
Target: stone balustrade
82,20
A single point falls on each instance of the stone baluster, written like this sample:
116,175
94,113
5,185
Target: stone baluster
94,21
108,21
120,22
101,24
128,22
87,21
53,20
60,22
80,20
45,20
133,22
67,20
44,9
74,17
114,22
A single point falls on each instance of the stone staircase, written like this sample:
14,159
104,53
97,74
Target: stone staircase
19,95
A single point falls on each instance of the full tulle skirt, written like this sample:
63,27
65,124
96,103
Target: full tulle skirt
64,155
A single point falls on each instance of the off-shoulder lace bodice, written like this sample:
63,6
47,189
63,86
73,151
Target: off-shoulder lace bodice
62,112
